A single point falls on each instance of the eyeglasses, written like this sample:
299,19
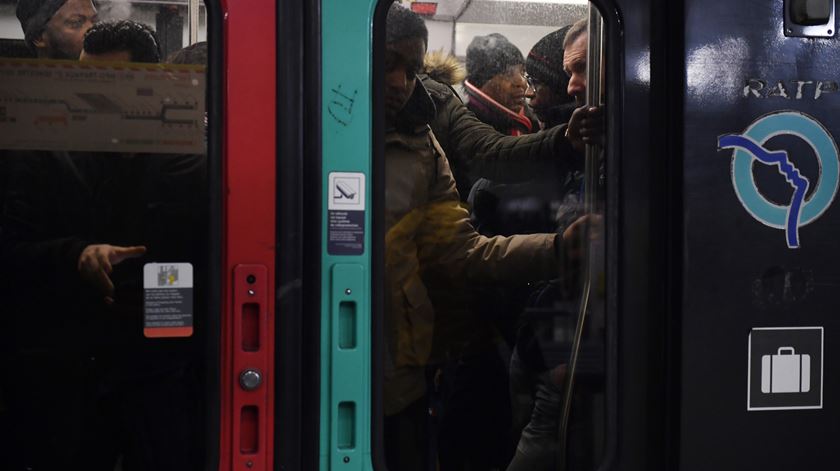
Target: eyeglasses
532,83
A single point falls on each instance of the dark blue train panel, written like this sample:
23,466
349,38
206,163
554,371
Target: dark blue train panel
761,269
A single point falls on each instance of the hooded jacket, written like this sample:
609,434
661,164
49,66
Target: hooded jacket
429,230
475,149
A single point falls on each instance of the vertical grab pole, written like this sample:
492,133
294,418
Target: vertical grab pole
591,176
193,7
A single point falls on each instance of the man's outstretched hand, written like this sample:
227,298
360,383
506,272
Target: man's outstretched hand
96,263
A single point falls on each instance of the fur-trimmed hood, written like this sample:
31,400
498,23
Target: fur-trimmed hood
444,68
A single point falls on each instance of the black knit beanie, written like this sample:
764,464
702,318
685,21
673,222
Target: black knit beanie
491,55
34,16
545,61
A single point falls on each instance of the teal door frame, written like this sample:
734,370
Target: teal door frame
347,140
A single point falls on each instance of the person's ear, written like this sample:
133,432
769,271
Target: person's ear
40,42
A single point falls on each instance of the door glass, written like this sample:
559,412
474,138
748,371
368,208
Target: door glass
494,190
104,244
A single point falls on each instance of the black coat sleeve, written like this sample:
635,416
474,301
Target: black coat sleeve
475,149
34,257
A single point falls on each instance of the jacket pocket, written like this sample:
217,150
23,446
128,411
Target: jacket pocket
419,322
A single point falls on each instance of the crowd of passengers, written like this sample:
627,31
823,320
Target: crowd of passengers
483,216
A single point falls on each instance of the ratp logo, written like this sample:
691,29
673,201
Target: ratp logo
748,149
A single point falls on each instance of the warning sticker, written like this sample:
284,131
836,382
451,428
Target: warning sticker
167,300
346,214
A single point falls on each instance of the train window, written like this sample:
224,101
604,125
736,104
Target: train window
106,252
494,250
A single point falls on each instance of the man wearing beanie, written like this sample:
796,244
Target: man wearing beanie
544,66
55,29
496,85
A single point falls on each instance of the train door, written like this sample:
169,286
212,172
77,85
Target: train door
443,300
758,320
136,237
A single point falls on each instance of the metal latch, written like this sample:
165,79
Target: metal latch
810,18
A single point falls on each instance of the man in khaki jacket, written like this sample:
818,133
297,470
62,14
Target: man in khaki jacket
427,228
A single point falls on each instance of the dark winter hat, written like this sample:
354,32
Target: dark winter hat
491,55
403,23
34,16
545,61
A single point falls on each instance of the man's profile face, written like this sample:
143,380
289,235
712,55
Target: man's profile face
574,64
64,34
403,61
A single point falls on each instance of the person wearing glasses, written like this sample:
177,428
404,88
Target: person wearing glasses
546,78
496,87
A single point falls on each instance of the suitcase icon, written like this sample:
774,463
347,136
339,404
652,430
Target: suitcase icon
786,372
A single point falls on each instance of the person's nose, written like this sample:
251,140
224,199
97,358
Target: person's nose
397,79
577,86
532,96
520,82
531,93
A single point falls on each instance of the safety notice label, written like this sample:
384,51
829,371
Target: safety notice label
167,299
785,368
346,214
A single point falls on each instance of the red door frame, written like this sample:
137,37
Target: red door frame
248,201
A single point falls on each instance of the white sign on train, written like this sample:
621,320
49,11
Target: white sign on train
103,107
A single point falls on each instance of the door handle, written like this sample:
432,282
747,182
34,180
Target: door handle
350,385
251,362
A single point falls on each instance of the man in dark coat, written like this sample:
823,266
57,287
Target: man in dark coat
537,449
77,227
544,68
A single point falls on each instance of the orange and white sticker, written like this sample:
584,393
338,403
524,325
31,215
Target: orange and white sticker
167,300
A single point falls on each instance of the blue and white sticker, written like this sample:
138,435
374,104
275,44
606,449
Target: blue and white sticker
749,149
346,213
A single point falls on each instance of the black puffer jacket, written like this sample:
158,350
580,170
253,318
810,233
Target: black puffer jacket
56,204
476,149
